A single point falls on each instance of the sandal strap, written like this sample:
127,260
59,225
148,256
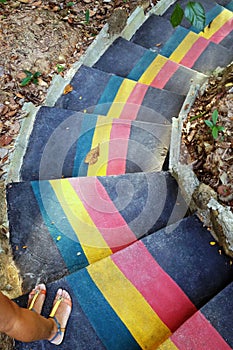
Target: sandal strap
35,294
59,329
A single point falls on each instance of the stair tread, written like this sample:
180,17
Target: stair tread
107,94
125,146
183,45
212,9
211,326
130,60
105,213
120,306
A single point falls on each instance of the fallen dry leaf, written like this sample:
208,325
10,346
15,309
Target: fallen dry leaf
92,156
5,140
68,88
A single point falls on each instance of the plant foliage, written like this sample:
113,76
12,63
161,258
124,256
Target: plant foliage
213,124
193,12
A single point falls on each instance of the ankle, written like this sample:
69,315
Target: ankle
53,329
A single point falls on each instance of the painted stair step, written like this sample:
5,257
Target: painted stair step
219,26
139,296
212,10
103,93
132,61
209,328
65,143
77,221
183,46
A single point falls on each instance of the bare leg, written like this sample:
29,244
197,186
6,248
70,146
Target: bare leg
23,324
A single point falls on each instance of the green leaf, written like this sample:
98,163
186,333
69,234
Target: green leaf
209,124
177,15
215,132
220,128
26,81
69,4
28,73
215,116
195,14
36,75
87,16
3,1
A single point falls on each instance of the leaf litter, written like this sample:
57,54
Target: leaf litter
212,158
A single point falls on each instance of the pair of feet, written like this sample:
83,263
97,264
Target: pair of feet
60,311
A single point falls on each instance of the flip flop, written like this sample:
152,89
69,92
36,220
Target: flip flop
38,290
60,330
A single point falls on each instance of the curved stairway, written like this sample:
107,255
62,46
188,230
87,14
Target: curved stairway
98,213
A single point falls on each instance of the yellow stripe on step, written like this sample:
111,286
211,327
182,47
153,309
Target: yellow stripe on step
140,319
121,98
167,345
153,69
184,47
101,137
216,24
92,242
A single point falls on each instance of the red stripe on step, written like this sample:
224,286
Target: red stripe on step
134,102
164,296
118,147
194,53
165,74
103,212
218,36
198,334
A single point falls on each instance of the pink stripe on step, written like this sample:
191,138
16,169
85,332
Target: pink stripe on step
218,36
162,293
103,212
118,147
134,102
164,74
194,53
198,334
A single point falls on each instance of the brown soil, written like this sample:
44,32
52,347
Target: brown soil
212,158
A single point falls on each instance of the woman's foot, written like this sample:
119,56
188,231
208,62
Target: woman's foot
36,298
59,315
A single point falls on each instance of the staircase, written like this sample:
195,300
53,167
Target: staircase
97,212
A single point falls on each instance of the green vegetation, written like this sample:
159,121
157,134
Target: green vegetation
30,78
213,124
193,12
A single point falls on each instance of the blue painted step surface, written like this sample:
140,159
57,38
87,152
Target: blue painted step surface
184,260
103,93
132,61
61,140
58,220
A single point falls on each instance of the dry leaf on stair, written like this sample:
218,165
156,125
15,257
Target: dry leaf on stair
92,156
68,88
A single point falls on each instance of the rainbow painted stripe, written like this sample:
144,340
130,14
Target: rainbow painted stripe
116,138
90,218
184,47
196,333
134,300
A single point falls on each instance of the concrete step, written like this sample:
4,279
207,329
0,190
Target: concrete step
103,93
212,11
62,139
132,61
139,296
77,221
182,45
211,326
